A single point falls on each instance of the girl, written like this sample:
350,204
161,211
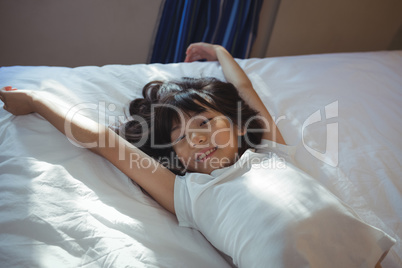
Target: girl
224,169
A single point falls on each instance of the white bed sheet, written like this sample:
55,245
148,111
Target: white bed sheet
62,206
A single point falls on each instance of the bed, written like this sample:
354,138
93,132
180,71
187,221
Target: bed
63,206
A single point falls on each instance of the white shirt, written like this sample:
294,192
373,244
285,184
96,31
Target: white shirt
264,212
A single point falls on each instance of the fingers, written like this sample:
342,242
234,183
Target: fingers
2,96
3,100
201,51
195,53
190,57
190,53
193,46
9,88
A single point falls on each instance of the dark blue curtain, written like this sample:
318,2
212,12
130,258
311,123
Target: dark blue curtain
230,23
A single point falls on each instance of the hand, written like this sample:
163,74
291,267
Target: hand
201,51
17,102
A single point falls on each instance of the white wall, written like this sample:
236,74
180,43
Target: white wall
326,26
76,32
98,32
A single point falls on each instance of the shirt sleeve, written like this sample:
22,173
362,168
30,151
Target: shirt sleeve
182,202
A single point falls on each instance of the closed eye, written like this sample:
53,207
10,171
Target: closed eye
179,138
206,121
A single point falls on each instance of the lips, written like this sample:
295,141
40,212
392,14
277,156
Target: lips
206,154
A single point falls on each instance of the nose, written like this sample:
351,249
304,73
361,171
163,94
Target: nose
198,138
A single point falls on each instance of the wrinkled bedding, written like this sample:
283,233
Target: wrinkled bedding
63,206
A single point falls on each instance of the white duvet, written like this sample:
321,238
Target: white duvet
62,206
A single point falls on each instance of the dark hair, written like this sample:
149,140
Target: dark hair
151,117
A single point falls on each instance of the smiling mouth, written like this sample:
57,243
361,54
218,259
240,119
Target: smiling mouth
205,155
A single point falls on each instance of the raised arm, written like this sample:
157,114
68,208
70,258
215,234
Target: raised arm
235,75
155,179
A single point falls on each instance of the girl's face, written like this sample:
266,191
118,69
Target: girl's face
206,141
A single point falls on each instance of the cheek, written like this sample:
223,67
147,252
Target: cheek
224,137
180,151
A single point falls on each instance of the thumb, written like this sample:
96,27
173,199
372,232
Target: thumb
9,88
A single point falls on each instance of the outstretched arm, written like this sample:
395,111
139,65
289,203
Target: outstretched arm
235,75
155,179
